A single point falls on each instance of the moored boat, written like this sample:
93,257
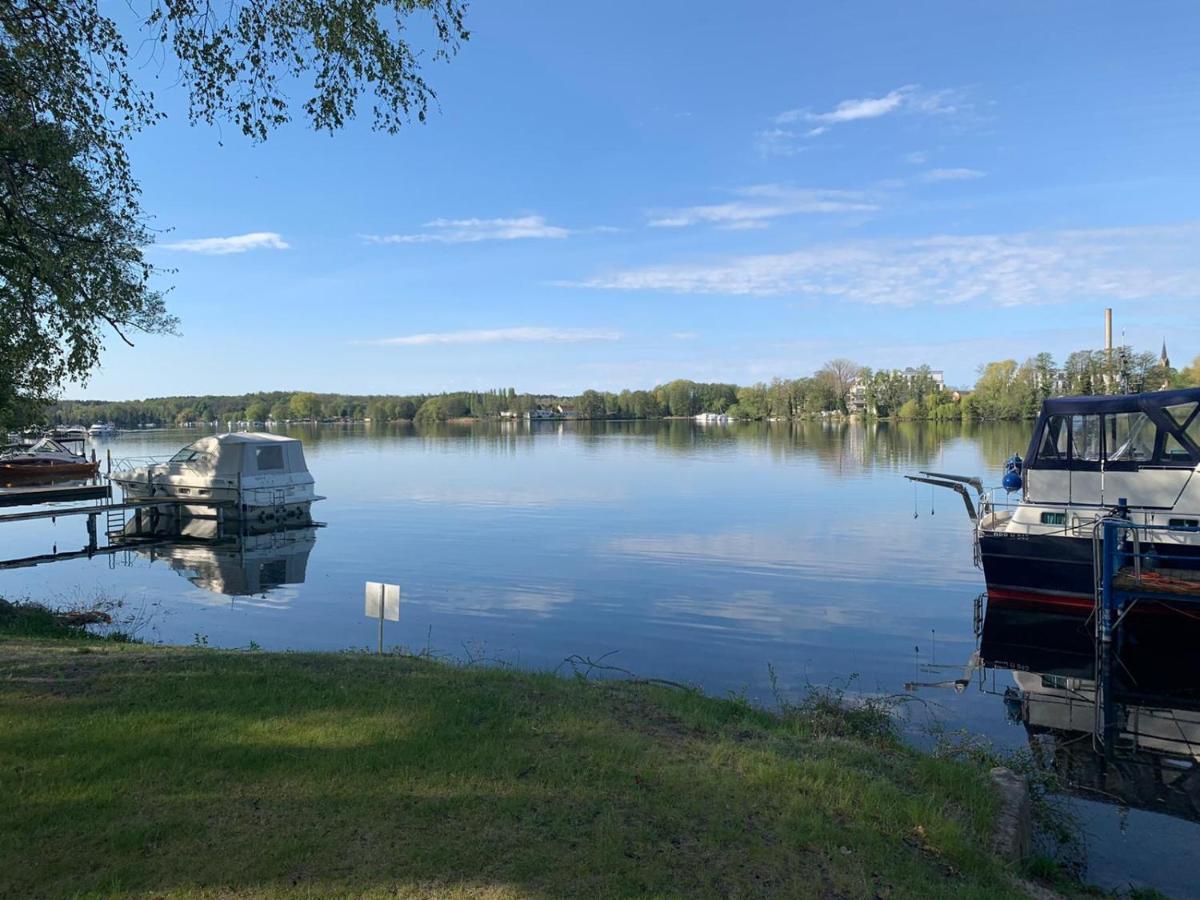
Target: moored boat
261,473
46,458
1091,458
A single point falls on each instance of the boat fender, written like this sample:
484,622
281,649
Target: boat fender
1012,474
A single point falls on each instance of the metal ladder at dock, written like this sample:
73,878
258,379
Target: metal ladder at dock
114,521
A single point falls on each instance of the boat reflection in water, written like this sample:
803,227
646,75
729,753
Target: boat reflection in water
234,559
1119,726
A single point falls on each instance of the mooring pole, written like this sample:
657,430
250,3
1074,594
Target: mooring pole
91,530
1109,551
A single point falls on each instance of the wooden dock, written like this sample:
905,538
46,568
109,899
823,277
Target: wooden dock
53,493
58,512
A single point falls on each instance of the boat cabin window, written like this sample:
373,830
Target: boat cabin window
1184,523
1054,439
1128,434
1054,518
1181,412
1129,437
1085,438
1173,451
269,459
1188,417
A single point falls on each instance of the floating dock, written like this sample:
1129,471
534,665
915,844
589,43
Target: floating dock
53,493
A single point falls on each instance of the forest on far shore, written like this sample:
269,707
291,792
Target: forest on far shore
1005,389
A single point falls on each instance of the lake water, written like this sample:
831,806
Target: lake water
696,554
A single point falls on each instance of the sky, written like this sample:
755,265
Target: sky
614,195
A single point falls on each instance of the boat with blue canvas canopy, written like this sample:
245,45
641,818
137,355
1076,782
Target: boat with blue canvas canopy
1090,458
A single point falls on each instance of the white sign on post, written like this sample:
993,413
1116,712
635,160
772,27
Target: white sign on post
383,601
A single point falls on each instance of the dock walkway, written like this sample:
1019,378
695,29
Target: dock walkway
53,493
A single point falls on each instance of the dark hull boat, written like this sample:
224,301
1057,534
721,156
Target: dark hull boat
47,459
1092,458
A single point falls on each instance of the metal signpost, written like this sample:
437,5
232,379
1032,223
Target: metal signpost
382,602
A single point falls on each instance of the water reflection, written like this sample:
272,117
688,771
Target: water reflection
236,564
1122,730
840,446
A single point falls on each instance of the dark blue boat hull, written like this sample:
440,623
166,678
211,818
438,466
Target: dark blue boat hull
1054,569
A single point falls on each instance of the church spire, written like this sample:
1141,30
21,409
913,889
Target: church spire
1163,359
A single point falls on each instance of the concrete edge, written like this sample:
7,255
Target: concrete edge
1012,833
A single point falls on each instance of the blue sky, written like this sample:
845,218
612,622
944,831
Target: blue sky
618,194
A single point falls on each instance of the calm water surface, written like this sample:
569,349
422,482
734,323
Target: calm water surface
699,554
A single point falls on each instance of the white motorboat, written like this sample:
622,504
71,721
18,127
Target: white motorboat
103,429
263,474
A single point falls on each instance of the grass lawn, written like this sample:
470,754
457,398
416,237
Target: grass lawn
194,772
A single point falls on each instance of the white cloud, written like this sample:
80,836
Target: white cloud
523,334
1004,269
238,243
684,335
852,110
763,202
910,98
952,174
468,231
916,157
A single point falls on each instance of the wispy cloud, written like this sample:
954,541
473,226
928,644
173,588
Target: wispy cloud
777,142
468,231
784,138
851,110
761,203
952,174
684,335
238,243
1136,263
522,334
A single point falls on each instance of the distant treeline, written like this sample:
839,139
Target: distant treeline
1005,389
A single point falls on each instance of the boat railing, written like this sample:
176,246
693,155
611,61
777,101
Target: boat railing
998,499
129,463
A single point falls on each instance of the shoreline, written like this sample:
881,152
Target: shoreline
200,772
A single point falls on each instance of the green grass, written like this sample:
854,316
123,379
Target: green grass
196,772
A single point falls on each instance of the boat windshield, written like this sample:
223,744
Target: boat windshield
192,454
49,445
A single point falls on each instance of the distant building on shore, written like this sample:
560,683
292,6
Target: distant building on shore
856,397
